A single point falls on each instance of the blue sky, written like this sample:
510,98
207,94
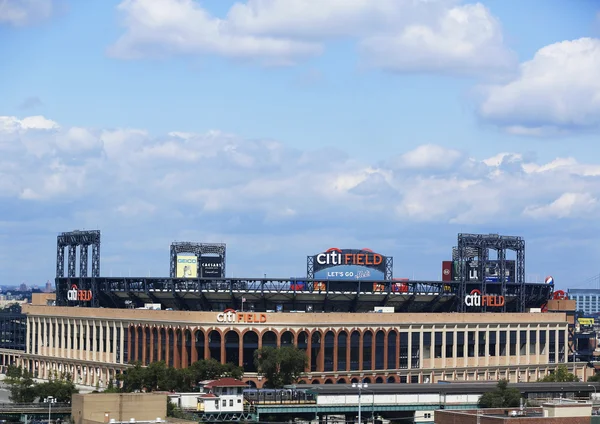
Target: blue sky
285,127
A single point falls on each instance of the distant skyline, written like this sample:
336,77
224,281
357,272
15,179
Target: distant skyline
285,127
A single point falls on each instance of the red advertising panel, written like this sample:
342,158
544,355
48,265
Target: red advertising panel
447,271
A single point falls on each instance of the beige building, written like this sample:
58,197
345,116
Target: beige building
94,344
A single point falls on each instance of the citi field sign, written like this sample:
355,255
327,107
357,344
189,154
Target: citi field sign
339,257
232,316
74,294
475,298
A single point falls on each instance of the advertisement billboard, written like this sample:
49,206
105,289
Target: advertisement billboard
349,264
447,271
211,267
492,271
187,266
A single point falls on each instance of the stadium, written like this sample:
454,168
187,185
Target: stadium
481,321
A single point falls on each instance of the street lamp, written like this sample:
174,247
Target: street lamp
593,387
359,386
50,400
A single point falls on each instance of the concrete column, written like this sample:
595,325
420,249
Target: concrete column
321,355
195,351
223,353
144,344
374,351
454,348
70,340
122,344
527,348
130,341
348,348
207,349
309,351
443,347
94,340
335,351
183,349
159,348
361,348
409,330
240,348
103,327
28,335
151,342
114,342
177,336
385,350
78,355
167,348
38,347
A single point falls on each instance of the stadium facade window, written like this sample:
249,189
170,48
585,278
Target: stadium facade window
315,349
391,350
438,344
552,346
460,344
367,350
523,342
329,348
342,350
355,351
250,340
427,345
532,342
403,350
542,347
471,344
449,344
416,350
502,350
513,343
482,344
492,343
379,350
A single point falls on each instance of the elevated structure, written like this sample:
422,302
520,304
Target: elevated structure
472,246
263,295
82,240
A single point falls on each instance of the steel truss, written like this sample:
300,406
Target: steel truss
225,417
72,240
479,245
264,294
197,249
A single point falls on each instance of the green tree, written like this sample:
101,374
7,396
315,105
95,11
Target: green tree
594,378
60,387
157,376
502,397
560,375
282,366
110,388
133,378
21,385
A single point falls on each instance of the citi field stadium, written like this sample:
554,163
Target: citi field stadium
480,321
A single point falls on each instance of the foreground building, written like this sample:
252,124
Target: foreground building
94,344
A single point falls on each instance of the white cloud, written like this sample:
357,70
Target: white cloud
400,35
162,27
465,39
429,156
567,205
24,12
131,174
555,92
